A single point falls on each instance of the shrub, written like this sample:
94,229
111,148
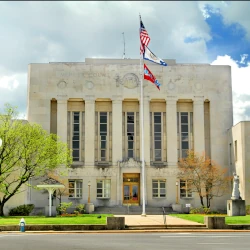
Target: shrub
248,209
64,206
202,210
23,210
68,215
194,210
79,209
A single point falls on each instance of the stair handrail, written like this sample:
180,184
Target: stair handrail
164,215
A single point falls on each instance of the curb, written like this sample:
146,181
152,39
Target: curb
128,231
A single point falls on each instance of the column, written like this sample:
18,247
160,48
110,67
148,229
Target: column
171,123
199,133
62,109
116,130
89,131
146,121
117,143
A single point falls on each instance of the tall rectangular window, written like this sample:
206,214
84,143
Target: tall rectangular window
235,151
76,130
103,188
159,188
184,132
157,135
103,136
76,136
75,188
230,153
131,134
103,133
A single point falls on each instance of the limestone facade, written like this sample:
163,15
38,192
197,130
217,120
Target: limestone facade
239,158
95,107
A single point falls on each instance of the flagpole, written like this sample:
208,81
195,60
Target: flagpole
142,138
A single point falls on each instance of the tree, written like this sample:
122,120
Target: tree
27,151
203,176
59,192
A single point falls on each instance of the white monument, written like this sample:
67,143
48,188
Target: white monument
236,206
236,191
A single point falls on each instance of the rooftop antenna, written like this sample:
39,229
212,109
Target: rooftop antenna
124,45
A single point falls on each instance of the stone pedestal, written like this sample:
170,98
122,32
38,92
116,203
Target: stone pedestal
177,208
89,208
115,223
53,211
236,208
214,222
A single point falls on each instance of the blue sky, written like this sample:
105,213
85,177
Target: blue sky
214,32
226,39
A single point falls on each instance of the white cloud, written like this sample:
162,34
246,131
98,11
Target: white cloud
9,82
13,90
241,87
243,58
233,12
86,29
42,32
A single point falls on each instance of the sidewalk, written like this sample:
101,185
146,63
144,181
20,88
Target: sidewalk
132,220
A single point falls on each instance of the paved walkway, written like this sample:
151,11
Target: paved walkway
132,220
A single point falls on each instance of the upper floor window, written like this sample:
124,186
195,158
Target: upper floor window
103,136
157,127
131,135
76,136
235,151
184,131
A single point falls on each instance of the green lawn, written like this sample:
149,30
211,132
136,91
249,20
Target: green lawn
200,218
81,219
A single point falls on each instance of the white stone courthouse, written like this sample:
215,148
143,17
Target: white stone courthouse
94,106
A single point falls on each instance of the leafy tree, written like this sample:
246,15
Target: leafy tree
203,176
59,192
27,151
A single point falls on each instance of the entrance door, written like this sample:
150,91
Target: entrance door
131,184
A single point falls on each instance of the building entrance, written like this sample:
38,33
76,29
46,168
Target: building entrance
131,189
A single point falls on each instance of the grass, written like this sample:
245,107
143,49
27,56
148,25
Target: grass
200,218
89,219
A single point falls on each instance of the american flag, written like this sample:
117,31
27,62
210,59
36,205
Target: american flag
144,37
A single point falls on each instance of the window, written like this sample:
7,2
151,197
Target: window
103,138
159,188
235,150
184,131
131,134
75,189
103,132
184,191
76,134
230,153
103,188
157,136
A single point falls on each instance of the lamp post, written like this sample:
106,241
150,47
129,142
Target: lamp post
177,193
89,192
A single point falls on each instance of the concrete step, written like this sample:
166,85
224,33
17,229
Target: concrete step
162,227
133,210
